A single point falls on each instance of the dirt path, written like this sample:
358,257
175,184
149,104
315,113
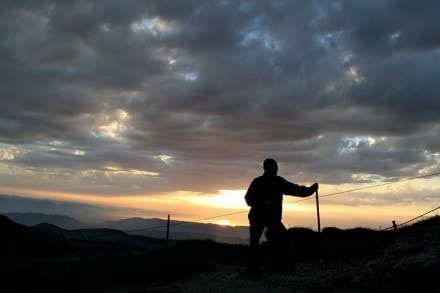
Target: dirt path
310,277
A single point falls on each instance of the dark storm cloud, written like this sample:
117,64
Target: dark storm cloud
193,95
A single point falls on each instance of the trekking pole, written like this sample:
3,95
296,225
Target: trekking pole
317,211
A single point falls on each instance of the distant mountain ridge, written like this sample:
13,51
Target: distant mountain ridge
47,239
84,212
73,215
153,228
32,219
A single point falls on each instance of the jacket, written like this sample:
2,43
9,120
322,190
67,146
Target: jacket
265,195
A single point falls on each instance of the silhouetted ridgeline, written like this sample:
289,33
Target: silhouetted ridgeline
49,258
152,228
32,219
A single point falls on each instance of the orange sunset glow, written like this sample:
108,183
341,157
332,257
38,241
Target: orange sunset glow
228,207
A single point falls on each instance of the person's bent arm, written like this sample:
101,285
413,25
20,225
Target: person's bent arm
251,194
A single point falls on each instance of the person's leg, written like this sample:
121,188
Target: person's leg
279,237
256,229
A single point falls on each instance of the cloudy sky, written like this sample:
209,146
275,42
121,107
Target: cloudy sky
140,99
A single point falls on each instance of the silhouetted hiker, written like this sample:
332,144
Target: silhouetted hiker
265,197
394,225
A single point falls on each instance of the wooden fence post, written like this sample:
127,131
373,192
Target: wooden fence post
317,211
167,237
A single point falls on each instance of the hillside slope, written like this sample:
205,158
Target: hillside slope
408,260
357,260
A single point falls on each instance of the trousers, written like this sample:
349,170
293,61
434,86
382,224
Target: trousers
276,233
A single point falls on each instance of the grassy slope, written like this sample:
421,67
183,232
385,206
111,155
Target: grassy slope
366,259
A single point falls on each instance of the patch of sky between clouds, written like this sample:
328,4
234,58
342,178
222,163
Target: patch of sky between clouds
10,153
353,143
327,38
265,39
164,158
354,75
394,37
143,25
434,166
191,76
6,153
254,34
345,55
153,26
65,148
113,170
363,177
112,124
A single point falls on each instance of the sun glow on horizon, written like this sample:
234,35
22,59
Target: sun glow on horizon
224,222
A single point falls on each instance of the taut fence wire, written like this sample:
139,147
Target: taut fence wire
299,200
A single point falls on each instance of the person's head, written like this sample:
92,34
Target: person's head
270,166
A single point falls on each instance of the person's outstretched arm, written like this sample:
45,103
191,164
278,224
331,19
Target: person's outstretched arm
299,190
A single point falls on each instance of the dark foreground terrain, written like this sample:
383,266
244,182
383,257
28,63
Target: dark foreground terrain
45,258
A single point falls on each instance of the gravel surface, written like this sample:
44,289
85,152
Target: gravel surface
407,264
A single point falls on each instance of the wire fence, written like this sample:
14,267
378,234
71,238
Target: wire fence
412,220
300,200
